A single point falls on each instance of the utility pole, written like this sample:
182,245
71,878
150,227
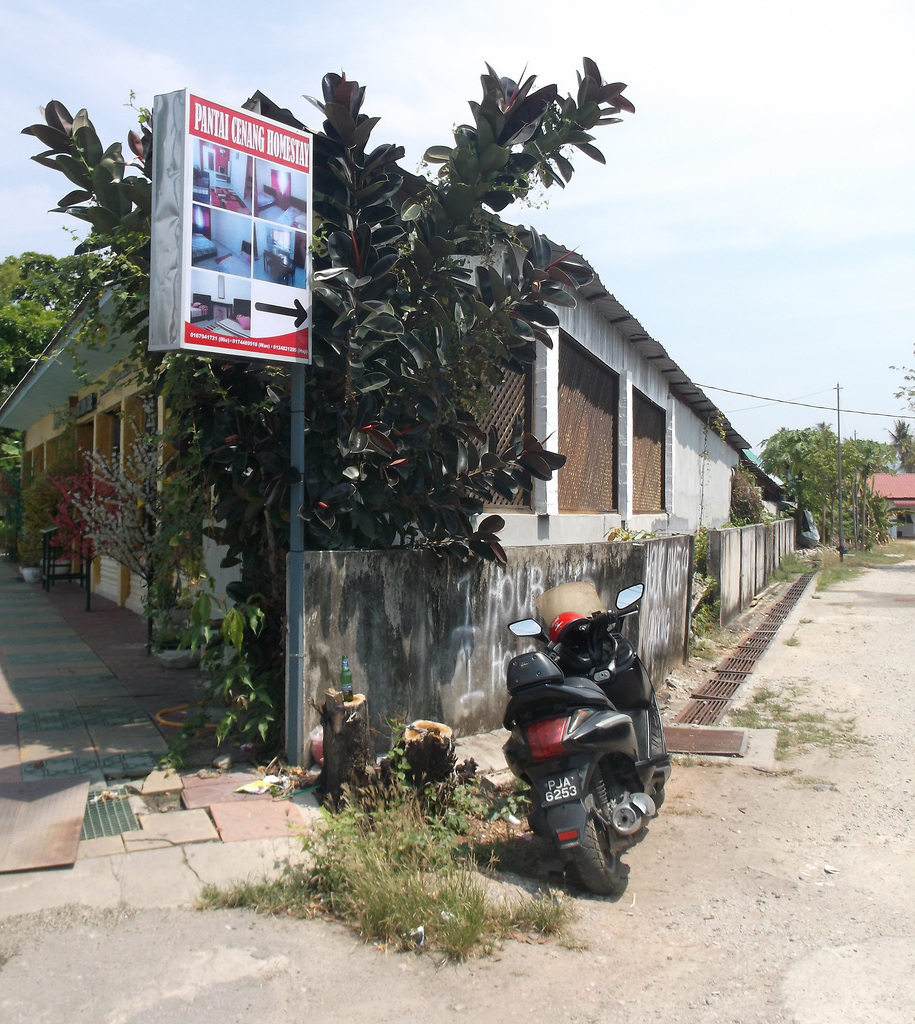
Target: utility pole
839,461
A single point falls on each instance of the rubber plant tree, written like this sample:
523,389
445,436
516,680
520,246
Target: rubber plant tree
424,300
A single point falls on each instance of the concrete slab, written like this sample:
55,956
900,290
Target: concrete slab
165,780
153,878
89,883
104,846
205,792
173,828
224,863
238,821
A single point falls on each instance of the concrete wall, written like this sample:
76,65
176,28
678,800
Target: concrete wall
700,474
428,638
742,560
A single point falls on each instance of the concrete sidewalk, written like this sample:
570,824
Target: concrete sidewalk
78,699
78,692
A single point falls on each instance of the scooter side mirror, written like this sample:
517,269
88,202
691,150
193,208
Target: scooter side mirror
629,596
526,627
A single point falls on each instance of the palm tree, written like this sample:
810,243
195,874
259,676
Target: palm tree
902,440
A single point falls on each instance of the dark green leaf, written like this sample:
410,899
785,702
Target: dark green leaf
437,155
372,382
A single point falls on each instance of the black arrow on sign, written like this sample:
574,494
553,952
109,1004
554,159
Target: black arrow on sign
298,311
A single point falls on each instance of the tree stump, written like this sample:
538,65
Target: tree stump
348,749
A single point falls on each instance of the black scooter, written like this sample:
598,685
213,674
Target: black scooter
586,733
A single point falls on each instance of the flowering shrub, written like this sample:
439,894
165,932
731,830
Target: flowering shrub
112,507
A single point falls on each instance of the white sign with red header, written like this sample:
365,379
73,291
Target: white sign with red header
231,236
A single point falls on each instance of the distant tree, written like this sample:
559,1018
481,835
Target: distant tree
37,296
807,459
902,440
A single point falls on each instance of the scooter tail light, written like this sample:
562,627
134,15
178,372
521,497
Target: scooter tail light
546,738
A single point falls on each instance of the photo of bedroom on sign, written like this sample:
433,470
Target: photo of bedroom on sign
281,195
220,303
222,177
221,241
280,255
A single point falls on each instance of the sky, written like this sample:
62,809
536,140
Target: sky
756,214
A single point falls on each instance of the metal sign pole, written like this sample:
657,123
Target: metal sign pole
839,460
295,577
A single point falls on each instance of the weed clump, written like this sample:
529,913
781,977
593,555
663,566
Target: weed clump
401,869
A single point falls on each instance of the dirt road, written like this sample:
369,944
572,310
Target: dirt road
783,897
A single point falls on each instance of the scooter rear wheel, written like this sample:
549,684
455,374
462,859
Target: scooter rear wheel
594,864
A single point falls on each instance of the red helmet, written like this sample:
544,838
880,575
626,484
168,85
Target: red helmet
562,627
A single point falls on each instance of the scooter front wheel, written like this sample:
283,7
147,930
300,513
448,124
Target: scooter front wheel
593,863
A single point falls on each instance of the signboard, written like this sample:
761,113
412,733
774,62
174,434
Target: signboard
231,232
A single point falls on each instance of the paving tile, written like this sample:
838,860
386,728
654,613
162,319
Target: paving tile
204,792
258,819
170,829
52,719
37,655
45,701
138,738
125,712
54,743
54,767
129,766
42,670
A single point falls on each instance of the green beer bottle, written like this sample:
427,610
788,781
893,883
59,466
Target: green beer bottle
346,680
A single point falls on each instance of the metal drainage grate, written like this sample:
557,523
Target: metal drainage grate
743,664
108,813
758,641
718,689
708,704
701,711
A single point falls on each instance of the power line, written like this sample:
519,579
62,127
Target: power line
806,405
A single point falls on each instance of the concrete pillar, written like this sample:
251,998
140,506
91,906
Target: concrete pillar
624,447
546,419
670,448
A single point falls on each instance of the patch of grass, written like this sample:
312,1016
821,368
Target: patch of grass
402,879
797,730
792,641
794,565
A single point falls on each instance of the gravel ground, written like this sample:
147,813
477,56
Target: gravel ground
782,896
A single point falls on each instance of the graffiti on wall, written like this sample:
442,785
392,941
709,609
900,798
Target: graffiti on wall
668,568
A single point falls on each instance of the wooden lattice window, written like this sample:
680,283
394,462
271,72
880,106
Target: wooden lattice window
649,425
588,411
511,399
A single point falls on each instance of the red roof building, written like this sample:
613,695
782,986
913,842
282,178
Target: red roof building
899,491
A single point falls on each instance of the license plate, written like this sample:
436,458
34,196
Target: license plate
557,789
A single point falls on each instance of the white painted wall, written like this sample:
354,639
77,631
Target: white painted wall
701,473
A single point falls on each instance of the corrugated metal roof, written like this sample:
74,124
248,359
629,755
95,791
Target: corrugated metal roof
61,370
895,486
653,351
